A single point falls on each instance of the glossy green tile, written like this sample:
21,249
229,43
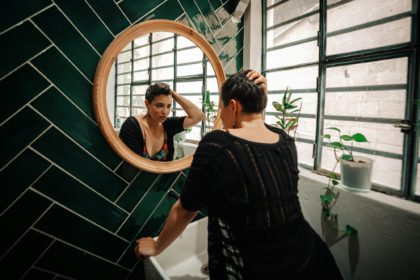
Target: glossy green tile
137,272
232,47
228,32
18,218
146,206
215,4
22,90
72,194
15,11
68,40
151,228
74,263
62,151
179,184
235,64
18,175
156,222
19,260
82,16
168,10
69,119
36,274
209,14
199,22
18,132
224,13
127,171
184,20
15,47
64,76
136,190
110,14
136,9
77,231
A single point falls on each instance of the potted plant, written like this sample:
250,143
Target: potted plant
209,109
289,112
356,171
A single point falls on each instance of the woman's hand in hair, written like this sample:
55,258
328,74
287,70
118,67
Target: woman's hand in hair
258,79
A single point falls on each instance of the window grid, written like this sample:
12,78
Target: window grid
173,81
409,155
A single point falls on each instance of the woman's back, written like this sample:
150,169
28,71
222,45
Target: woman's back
256,227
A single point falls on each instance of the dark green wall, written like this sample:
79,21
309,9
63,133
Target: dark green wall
66,207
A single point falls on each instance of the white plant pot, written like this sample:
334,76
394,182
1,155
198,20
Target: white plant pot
357,176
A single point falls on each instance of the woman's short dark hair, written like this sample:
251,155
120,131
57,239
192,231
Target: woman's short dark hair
250,95
157,89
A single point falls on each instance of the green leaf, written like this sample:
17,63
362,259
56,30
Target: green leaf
334,128
347,157
336,145
327,198
358,137
328,136
294,100
334,182
332,175
346,137
351,231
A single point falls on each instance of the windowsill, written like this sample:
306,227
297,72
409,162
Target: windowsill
400,203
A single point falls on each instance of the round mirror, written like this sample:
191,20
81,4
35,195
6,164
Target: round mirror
160,53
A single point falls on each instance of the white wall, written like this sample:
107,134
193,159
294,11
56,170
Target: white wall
388,242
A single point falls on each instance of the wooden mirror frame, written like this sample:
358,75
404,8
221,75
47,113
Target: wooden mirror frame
101,79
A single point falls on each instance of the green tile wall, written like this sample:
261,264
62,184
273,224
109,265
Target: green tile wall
70,207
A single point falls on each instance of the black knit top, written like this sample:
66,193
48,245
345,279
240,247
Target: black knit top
256,227
132,136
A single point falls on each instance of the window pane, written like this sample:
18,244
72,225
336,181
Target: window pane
189,87
308,101
124,57
163,46
138,100
190,55
295,79
162,35
210,70
289,10
163,60
123,112
141,76
142,52
123,90
123,100
183,42
361,11
190,69
387,34
163,74
299,54
124,67
140,90
124,78
141,41
383,72
141,64
212,85
304,28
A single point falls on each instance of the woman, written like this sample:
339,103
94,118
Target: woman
151,135
246,176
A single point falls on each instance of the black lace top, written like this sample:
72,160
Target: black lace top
256,227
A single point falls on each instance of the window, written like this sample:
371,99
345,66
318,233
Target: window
162,57
352,62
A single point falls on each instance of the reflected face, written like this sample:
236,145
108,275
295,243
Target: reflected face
159,108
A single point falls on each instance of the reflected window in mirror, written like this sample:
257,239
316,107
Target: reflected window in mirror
163,57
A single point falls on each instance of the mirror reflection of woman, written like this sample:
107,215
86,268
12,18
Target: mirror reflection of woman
151,135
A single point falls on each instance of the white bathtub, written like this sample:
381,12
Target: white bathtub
184,259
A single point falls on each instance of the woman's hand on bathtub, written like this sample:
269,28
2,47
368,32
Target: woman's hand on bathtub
145,247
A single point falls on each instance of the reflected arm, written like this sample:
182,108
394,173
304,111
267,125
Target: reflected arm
194,114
